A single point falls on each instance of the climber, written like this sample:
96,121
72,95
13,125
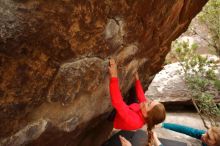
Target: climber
208,138
135,115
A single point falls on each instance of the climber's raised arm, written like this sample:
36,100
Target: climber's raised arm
139,90
116,97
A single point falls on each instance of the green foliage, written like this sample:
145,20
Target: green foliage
210,16
200,77
217,84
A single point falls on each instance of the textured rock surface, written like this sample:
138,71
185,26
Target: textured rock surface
53,62
169,87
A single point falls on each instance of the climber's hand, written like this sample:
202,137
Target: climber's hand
112,68
136,76
124,142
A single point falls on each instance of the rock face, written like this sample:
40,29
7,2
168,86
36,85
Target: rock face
54,58
169,85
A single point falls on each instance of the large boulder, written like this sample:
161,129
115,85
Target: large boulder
54,58
170,88
169,85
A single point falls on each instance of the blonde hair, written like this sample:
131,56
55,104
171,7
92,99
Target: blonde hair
155,116
216,133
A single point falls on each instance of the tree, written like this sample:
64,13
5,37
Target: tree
210,17
201,80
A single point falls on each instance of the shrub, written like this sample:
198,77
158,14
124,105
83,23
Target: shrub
201,80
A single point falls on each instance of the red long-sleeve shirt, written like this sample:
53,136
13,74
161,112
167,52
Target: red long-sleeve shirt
128,117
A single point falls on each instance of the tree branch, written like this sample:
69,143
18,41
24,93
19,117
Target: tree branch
199,112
